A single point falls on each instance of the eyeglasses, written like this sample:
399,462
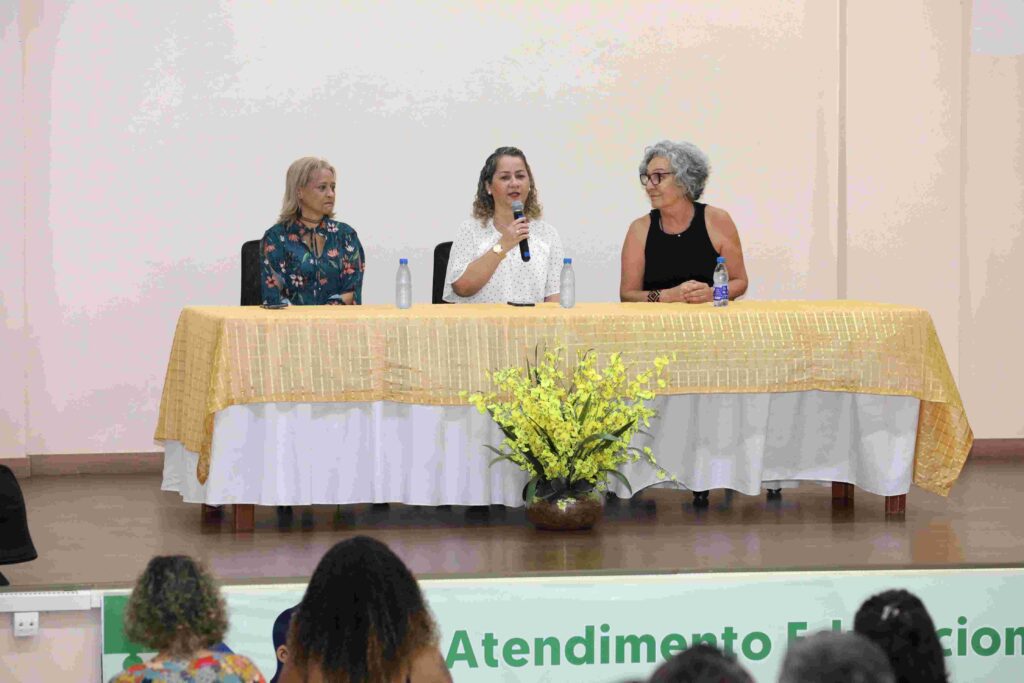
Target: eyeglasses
655,177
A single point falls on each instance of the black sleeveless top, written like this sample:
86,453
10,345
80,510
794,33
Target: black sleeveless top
670,260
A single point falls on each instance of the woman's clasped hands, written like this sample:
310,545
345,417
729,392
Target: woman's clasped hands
689,292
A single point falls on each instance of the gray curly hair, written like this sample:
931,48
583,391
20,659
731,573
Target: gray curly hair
690,165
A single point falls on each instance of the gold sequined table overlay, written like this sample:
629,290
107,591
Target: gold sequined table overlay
224,356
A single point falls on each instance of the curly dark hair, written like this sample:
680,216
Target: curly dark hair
175,608
363,617
701,663
899,623
483,203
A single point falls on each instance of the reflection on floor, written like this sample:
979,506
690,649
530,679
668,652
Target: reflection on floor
100,530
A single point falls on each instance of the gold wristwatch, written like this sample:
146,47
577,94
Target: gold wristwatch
498,250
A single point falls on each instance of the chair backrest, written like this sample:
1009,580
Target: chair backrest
15,541
441,253
252,294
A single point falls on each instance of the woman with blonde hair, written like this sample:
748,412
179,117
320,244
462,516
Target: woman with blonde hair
309,258
177,610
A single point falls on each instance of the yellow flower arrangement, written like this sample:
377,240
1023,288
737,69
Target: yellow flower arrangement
571,433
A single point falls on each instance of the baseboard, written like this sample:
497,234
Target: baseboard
56,464
20,466
997,448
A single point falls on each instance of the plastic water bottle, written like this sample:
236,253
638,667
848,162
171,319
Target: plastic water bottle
403,284
567,288
721,280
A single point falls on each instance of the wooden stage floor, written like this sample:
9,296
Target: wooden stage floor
100,530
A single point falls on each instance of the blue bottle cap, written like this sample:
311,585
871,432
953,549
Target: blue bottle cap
721,259
403,261
567,260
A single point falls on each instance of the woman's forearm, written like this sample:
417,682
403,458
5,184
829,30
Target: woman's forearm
665,296
635,295
477,274
737,287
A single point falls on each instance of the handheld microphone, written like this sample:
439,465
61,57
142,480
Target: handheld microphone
524,246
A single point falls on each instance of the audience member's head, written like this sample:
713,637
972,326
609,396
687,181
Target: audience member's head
828,657
363,619
175,608
701,663
279,636
899,623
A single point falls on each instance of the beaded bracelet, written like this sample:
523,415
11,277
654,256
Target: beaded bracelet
654,295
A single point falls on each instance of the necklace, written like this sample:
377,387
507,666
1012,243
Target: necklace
501,227
661,225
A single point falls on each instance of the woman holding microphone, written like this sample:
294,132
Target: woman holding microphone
486,265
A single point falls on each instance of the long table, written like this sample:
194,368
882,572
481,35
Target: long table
356,367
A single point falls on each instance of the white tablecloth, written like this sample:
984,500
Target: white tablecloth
383,452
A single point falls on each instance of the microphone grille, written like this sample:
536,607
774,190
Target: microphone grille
517,205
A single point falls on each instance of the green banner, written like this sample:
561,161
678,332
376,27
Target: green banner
613,628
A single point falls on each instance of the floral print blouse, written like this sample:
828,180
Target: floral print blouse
217,667
312,266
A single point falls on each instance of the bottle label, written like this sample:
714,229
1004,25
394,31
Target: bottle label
722,293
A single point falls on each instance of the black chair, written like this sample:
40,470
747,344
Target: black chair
15,541
252,294
441,253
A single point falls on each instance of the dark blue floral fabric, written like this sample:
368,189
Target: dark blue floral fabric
312,266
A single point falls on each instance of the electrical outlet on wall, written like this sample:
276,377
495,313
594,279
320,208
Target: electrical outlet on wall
25,624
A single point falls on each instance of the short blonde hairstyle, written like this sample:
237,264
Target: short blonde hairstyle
299,175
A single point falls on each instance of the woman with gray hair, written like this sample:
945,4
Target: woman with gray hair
829,657
670,254
308,256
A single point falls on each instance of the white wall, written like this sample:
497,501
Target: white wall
992,328
12,253
903,150
67,648
160,134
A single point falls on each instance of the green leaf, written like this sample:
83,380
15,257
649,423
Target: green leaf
586,410
530,492
504,457
604,439
506,431
544,433
622,430
621,477
581,486
532,459
552,488
586,442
